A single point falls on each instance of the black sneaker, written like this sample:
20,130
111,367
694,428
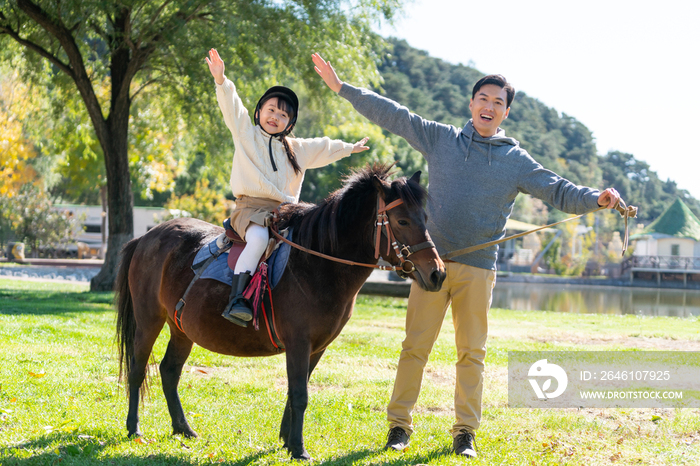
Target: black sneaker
397,439
464,444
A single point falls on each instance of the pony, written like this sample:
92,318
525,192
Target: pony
313,300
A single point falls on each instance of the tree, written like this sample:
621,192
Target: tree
16,152
35,222
129,46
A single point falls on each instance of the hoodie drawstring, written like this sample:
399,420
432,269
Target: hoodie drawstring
272,159
471,138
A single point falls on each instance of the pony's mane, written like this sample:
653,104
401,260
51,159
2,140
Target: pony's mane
351,206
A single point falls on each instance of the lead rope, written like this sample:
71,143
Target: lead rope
625,211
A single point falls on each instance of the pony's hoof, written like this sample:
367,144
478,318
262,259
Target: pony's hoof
135,434
303,456
186,433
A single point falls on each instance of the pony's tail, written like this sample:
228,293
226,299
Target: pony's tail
126,324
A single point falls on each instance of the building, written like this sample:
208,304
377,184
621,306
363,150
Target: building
668,248
518,254
92,238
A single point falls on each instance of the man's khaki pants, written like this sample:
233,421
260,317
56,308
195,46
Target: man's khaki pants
469,290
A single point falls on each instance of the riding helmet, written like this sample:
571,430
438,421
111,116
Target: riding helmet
286,94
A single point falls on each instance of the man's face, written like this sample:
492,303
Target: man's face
489,109
272,119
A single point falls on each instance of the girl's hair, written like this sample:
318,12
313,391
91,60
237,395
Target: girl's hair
287,102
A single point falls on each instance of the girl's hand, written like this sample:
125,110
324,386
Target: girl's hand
216,66
360,146
326,71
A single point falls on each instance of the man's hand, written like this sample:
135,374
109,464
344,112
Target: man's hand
326,71
609,198
216,66
360,146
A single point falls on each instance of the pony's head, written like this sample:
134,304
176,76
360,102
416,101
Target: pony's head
345,223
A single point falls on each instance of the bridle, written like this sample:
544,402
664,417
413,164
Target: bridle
402,251
381,226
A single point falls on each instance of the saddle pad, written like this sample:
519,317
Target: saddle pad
219,269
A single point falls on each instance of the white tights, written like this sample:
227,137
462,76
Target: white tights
256,238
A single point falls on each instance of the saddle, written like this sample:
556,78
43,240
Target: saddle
238,244
217,259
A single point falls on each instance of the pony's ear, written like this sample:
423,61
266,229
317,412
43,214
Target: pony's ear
416,177
379,185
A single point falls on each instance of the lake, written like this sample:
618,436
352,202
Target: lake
596,300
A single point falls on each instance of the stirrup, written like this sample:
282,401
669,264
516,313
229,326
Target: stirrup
239,309
234,317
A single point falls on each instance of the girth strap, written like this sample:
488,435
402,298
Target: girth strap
200,270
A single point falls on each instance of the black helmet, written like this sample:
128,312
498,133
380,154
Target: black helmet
288,95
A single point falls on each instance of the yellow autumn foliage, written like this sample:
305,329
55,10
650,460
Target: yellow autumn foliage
15,150
15,153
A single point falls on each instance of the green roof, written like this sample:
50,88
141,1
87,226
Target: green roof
678,220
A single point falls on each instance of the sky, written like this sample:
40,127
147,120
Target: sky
628,70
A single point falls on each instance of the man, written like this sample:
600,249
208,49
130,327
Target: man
475,173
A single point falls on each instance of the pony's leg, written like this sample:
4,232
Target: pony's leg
286,425
298,365
144,339
179,348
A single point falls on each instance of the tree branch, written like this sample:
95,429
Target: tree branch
98,30
39,49
142,87
77,65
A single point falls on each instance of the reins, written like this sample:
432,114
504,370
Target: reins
381,225
625,211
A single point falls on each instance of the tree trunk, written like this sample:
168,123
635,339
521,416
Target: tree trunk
120,219
115,146
103,227
120,209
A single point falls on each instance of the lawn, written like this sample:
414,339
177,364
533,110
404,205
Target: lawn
61,401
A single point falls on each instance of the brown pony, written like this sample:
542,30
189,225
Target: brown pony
313,300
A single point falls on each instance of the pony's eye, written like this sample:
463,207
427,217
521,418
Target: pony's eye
403,223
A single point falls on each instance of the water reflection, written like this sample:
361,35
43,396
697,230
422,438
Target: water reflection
597,300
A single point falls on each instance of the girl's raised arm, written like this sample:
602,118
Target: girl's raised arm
216,66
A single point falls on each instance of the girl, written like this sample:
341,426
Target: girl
268,169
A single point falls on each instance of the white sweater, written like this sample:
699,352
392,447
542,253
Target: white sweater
252,173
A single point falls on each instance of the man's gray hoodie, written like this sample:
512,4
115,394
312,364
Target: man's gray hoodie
472,180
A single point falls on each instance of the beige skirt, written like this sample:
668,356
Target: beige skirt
252,210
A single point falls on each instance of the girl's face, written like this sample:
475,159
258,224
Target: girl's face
274,119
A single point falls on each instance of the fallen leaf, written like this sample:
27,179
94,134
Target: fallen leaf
37,375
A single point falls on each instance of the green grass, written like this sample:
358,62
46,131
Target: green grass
61,402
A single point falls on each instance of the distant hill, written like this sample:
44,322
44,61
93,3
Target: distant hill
440,91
